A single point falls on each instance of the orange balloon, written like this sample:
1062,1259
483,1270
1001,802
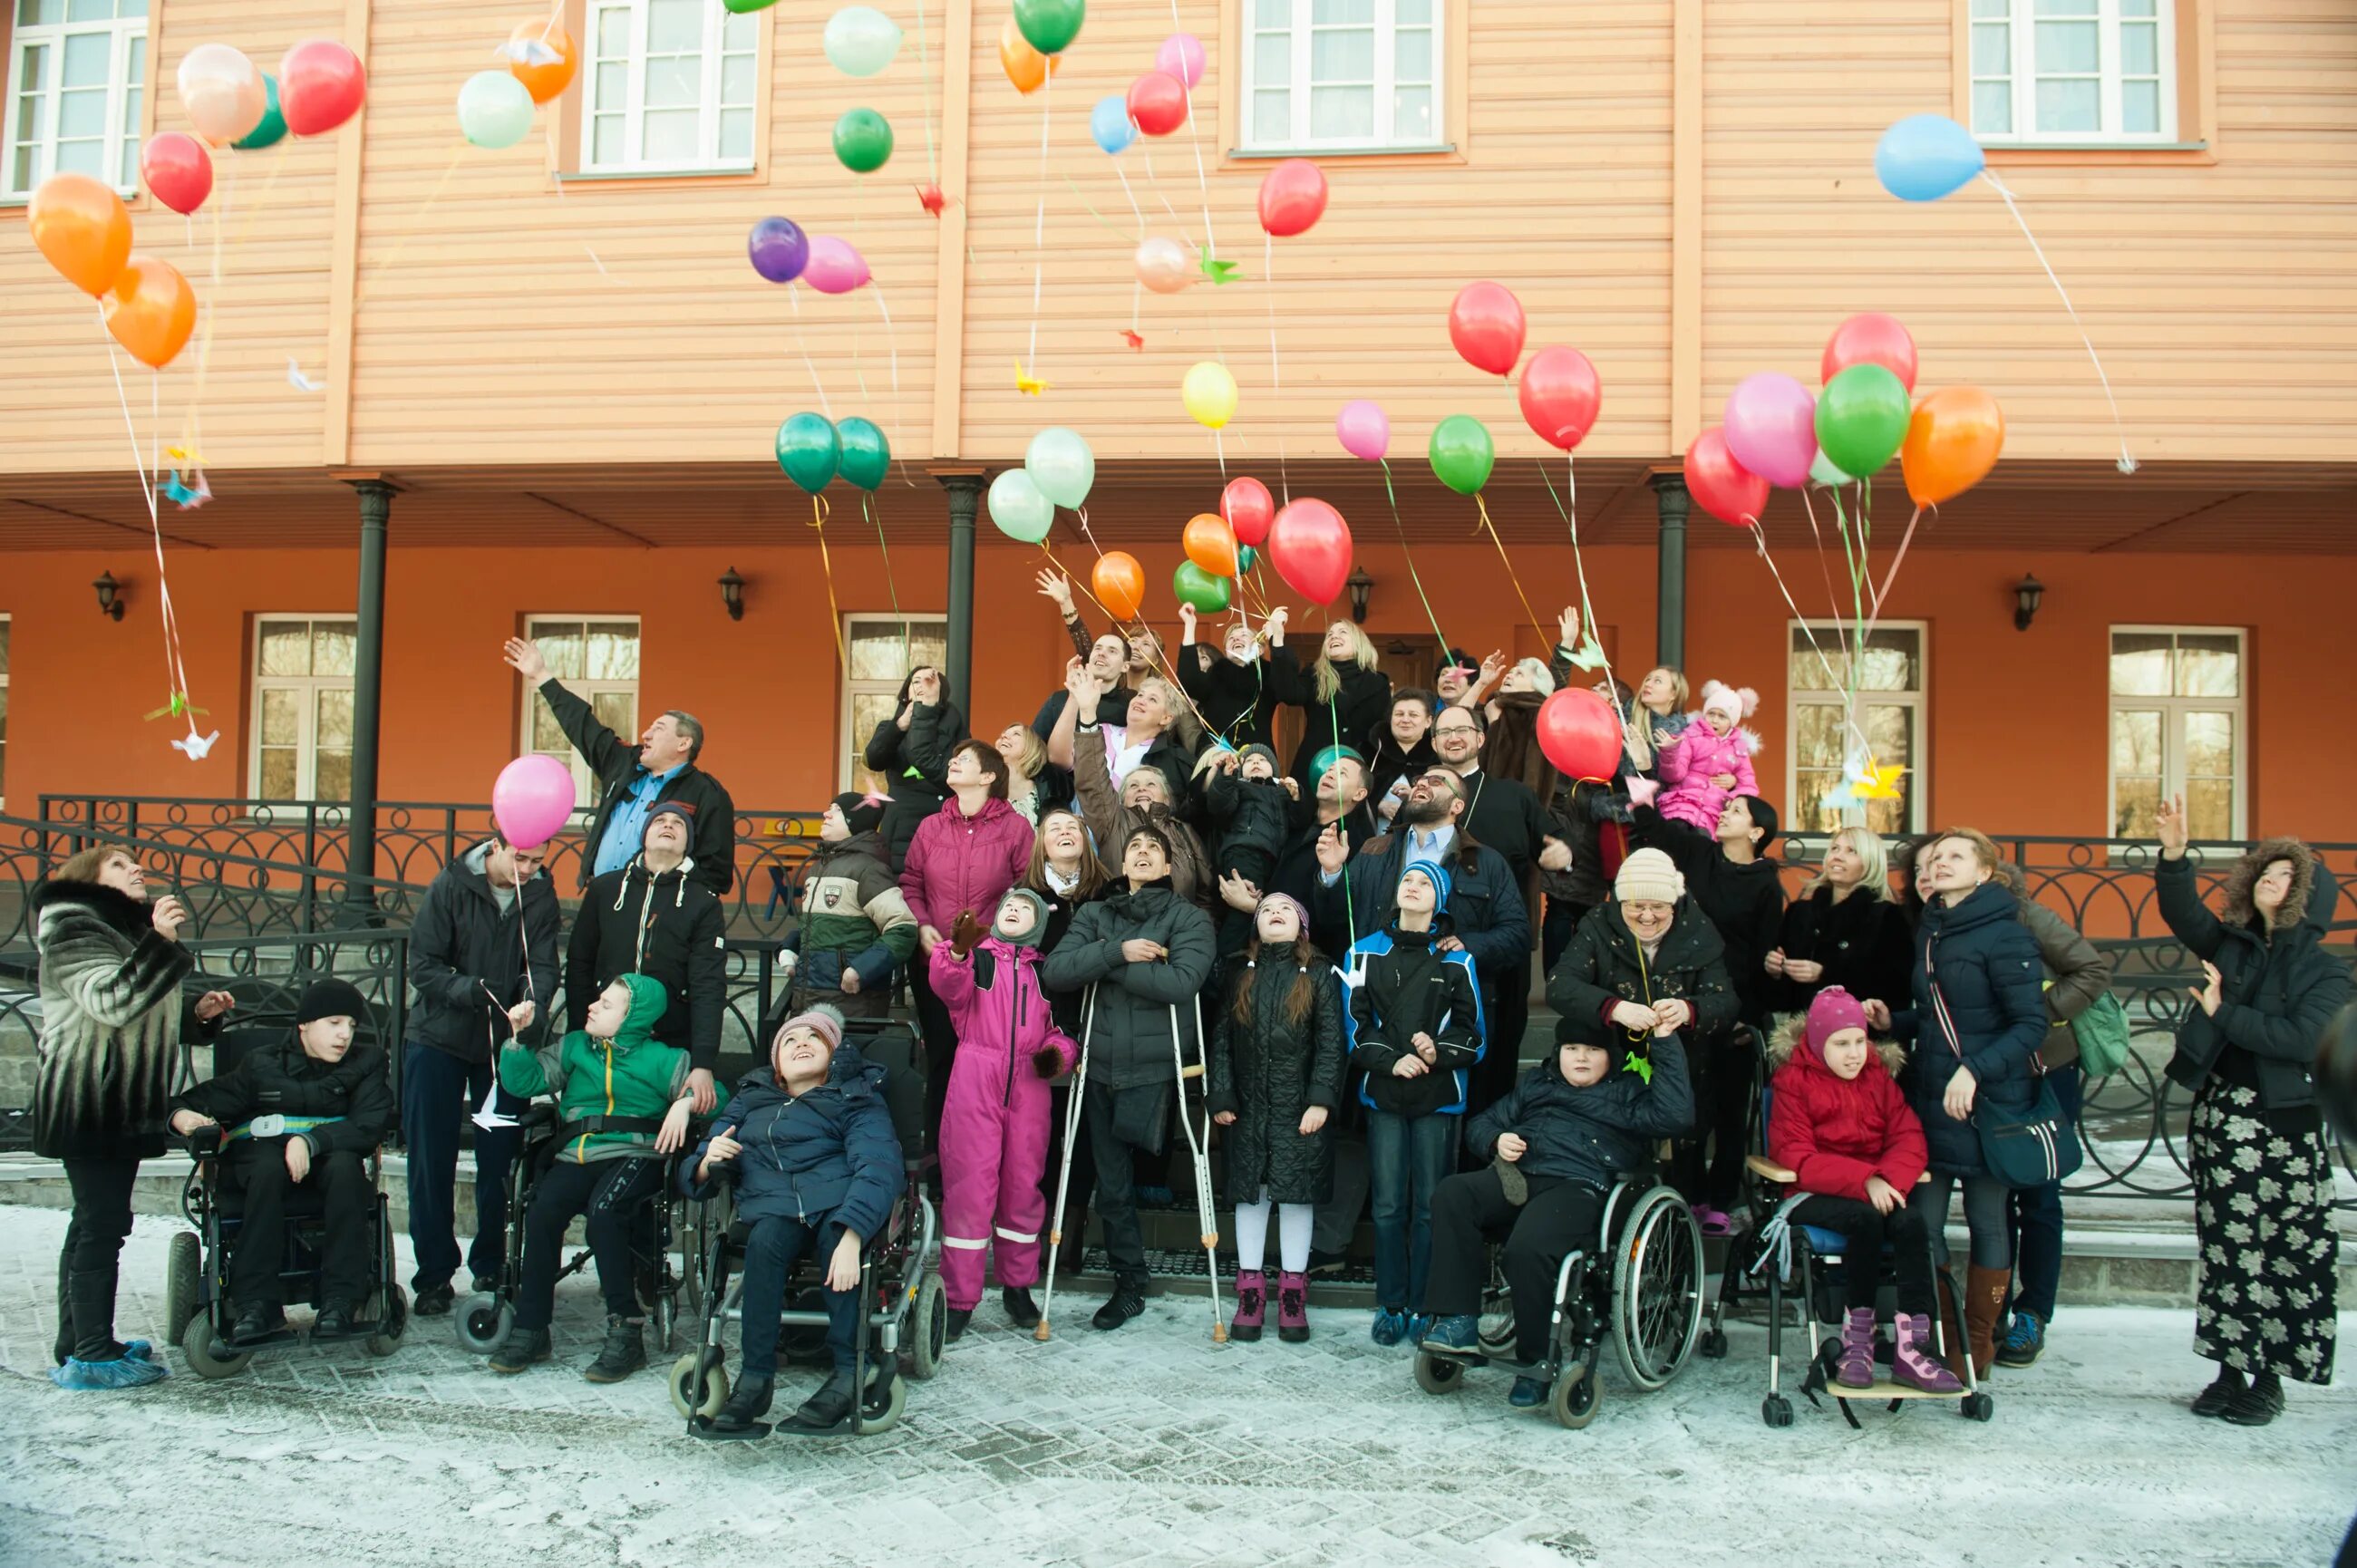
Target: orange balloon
1025,67
1119,583
151,310
1953,440
81,227
1211,544
529,48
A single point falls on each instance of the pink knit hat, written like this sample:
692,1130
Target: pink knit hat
1833,1011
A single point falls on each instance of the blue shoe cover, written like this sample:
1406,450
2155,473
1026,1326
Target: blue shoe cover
129,1372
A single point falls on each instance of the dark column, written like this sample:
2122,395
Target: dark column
965,497
1671,503
367,692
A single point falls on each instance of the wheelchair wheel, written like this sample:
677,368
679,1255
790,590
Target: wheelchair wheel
183,1268
1496,1332
197,1345
1776,1411
1712,1346
483,1323
888,1396
929,1328
1577,1394
1657,1288
682,1385
1977,1407
1438,1374
390,1308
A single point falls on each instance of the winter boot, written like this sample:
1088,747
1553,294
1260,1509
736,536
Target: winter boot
1984,1304
1952,1324
825,1411
741,1417
520,1349
1020,1309
334,1322
1914,1364
625,1350
1857,1367
959,1317
1128,1300
2258,1404
433,1301
1292,1308
2221,1394
1252,1305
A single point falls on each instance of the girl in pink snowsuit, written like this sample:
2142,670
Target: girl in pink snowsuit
1710,748
995,1125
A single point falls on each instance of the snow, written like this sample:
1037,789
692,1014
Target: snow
1145,1447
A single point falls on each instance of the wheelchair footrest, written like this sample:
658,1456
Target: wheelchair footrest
702,1426
285,1334
1470,1356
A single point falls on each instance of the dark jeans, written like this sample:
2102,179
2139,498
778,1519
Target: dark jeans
1985,1200
1563,917
1561,1217
438,1094
2036,1215
341,1181
1335,1222
1506,1013
1127,1127
611,1194
940,1048
1708,1168
770,1255
1867,1232
102,1219
1408,1159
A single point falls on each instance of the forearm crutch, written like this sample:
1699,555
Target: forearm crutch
1200,1147
1064,1165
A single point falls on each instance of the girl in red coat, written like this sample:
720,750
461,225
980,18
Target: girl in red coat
1839,1121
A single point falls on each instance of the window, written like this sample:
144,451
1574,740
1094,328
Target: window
77,69
597,662
1337,75
2177,728
883,650
1891,688
303,707
2074,70
3,710
672,86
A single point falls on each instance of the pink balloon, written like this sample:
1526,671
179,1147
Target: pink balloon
1162,265
1364,429
1771,428
1181,55
834,266
532,799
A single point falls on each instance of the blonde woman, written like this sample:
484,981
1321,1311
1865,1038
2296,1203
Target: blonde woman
1844,930
1029,782
1345,696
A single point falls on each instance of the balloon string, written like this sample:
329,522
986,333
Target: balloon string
1039,227
2127,462
867,510
1163,665
1086,532
1155,184
826,567
1195,141
1570,510
1132,239
892,347
175,673
1875,620
1412,576
384,268
1759,538
794,294
1856,562
1277,375
1504,561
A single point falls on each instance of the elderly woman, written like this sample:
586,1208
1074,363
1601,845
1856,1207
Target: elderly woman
2247,1048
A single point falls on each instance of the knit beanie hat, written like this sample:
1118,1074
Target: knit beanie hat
1834,1010
684,809
1434,873
332,999
1735,702
861,813
1651,877
1038,918
1300,914
1269,752
823,1021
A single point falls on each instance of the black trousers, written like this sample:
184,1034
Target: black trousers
1125,1127
1708,1168
86,1265
1903,1231
1507,1014
341,1180
609,1194
940,1048
1561,1217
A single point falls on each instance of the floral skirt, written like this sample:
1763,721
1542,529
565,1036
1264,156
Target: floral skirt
2262,1192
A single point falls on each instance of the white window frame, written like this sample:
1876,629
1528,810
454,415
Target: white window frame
850,745
1831,635
5,666
1384,138
307,740
125,96
707,157
584,783
2173,710
2021,18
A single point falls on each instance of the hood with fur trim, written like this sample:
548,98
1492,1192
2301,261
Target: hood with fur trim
2237,908
1790,1034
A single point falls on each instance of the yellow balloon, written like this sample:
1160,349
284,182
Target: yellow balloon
1210,393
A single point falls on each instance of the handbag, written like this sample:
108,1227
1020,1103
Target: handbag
2102,1032
2029,1151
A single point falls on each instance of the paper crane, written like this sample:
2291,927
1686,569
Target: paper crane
931,199
1216,270
301,383
1025,383
528,51
196,744
1589,655
1863,779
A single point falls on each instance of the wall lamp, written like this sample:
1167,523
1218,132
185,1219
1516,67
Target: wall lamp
2028,595
110,597
732,594
1360,586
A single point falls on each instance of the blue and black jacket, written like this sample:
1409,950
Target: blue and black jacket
1400,985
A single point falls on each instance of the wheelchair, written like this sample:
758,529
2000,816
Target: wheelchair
1642,1288
906,1310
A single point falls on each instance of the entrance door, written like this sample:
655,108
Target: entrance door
1409,659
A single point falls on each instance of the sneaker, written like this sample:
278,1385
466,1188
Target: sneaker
1327,1263
1529,1390
520,1349
2258,1404
1293,1307
1252,1306
959,1318
122,1372
433,1301
1389,1328
1128,1300
1020,1309
625,1350
1712,1221
2023,1341
2213,1399
1457,1331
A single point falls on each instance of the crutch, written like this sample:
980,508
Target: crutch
1201,1150
1064,1165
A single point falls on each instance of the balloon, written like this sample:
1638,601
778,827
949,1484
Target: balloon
222,93
1119,584
1870,338
1021,512
1292,197
746,7
1211,544
834,266
1462,453
860,40
1050,25
862,140
82,226
865,457
1246,558
1926,156
542,56
1309,546
1210,393
320,86
1191,585
808,450
1822,472
1727,489
151,310
1560,395
1486,324
1771,428
1862,419
1580,734
533,799
1953,442
1157,101
175,168
1061,465
1109,124
272,129
1162,266
1025,67
779,249
1181,55
494,110
1249,509
1364,429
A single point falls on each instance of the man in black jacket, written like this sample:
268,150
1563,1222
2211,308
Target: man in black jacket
482,956
633,781
652,917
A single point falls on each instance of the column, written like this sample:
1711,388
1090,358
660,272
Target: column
1670,504
965,500
368,684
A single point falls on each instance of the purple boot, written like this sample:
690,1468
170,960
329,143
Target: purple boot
1292,1308
1914,1365
1857,1367
1252,1305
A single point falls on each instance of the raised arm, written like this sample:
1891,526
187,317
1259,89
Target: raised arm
606,753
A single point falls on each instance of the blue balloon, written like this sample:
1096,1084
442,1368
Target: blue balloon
1926,156
1110,123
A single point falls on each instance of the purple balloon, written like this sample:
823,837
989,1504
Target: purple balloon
834,267
1364,429
1771,428
779,249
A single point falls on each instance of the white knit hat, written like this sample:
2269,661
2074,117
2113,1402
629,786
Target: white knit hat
1647,875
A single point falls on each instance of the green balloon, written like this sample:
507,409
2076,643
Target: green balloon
1191,585
272,128
746,7
1246,558
1862,419
862,140
1462,453
808,450
1050,25
866,456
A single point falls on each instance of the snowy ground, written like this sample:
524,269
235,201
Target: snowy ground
1145,1447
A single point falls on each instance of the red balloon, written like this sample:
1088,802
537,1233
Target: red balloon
1157,102
1309,544
175,168
1249,509
1486,324
1292,197
320,85
1727,489
1870,339
1580,734
1559,396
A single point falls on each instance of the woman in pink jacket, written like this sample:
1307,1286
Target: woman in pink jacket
1711,759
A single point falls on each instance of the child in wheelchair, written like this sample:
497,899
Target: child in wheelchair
624,1100
308,1114
1574,1124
